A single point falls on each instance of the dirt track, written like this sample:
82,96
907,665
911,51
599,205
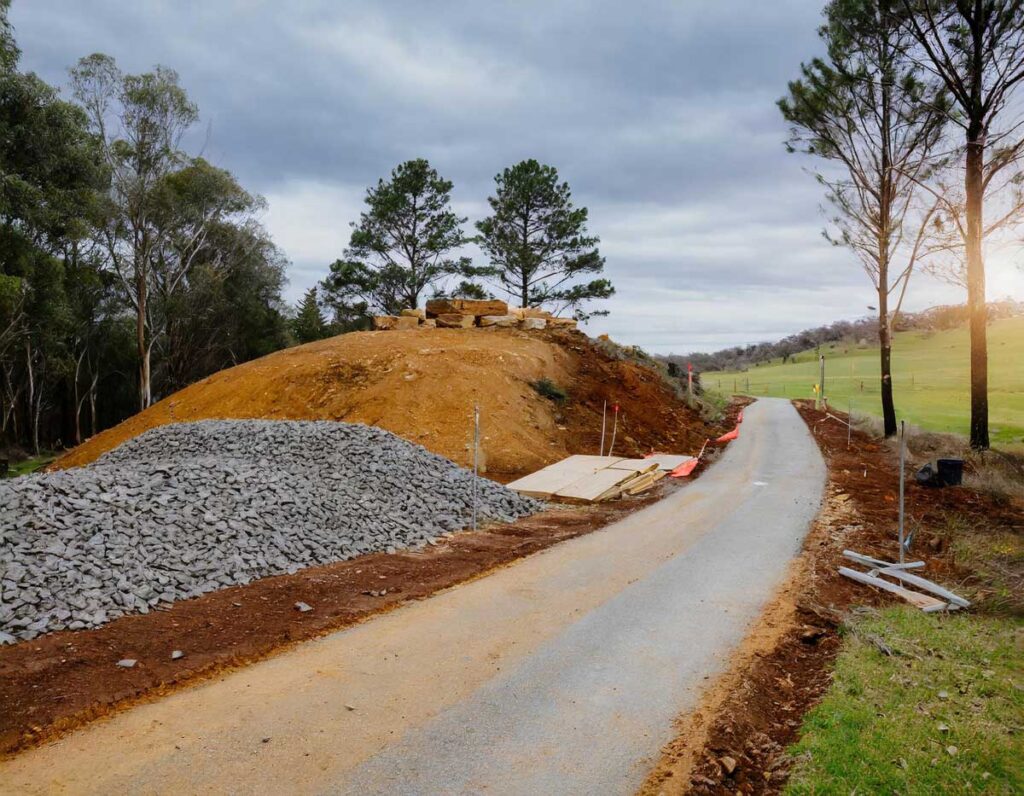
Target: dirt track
756,709
561,673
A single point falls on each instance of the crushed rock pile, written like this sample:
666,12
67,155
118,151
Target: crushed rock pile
190,508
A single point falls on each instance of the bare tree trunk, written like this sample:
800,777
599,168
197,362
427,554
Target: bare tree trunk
37,412
976,307
92,405
78,401
140,340
31,394
885,350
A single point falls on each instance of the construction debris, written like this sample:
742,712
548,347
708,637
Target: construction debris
590,479
190,508
898,571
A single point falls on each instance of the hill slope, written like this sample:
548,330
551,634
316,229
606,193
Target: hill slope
930,379
422,385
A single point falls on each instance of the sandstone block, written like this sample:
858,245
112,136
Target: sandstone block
414,313
472,307
454,320
407,322
429,323
565,323
383,322
533,323
499,320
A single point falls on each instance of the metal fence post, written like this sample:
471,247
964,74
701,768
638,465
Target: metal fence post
903,446
476,458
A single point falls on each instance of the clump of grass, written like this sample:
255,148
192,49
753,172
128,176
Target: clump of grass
29,465
994,557
941,715
550,390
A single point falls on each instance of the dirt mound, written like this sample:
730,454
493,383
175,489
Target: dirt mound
422,385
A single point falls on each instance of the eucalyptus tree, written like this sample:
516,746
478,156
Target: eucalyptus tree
538,242
976,49
140,120
876,119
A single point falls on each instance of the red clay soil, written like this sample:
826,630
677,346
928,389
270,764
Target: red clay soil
422,384
736,741
56,682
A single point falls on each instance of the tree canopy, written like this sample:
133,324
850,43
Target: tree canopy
405,242
119,252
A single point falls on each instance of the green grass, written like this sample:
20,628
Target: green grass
930,379
945,714
30,465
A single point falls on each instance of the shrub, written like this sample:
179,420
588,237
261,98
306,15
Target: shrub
549,389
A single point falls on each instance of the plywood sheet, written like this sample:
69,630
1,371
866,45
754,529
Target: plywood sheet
547,481
668,461
591,487
636,465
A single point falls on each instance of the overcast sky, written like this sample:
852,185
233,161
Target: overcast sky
661,116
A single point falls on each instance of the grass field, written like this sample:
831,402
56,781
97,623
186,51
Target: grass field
941,715
930,379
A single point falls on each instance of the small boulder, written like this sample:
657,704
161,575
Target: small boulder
455,321
303,608
384,322
415,312
127,663
407,322
566,323
473,307
499,320
429,323
533,323
529,312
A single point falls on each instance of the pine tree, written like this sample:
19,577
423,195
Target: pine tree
309,324
538,242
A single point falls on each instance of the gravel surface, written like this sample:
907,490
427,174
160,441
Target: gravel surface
189,508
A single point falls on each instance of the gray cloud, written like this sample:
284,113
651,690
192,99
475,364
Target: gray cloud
660,114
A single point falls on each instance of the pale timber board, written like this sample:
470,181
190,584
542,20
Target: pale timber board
593,486
668,461
923,601
548,480
927,585
636,465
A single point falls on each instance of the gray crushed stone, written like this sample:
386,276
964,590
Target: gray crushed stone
190,508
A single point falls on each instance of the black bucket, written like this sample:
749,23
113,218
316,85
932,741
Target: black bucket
951,471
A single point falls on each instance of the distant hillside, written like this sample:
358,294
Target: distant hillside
863,331
931,383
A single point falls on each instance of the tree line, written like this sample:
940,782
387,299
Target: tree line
916,111
934,319
407,246
129,267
